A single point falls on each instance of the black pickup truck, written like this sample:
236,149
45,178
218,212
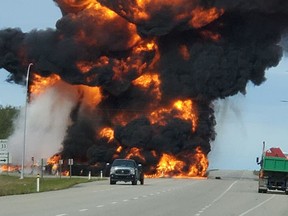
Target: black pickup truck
126,170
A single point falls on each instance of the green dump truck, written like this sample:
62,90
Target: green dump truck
273,173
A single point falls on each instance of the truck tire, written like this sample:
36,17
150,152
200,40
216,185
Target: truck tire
134,181
142,181
112,182
286,192
262,191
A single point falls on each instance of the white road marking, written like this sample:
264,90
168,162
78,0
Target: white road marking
255,207
135,198
83,210
61,214
207,206
215,200
221,195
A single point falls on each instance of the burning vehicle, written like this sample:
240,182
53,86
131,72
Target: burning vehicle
139,78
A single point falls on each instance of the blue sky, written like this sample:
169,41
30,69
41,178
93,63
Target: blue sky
26,15
243,122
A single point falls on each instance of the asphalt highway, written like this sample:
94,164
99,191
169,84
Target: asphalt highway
223,193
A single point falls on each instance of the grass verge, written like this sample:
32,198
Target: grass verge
13,185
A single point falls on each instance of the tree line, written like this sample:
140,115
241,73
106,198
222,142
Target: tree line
7,116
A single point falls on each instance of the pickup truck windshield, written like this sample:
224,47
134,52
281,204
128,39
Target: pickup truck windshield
123,163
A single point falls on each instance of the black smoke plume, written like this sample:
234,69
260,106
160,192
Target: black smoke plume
222,56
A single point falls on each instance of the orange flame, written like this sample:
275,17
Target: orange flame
119,149
74,6
65,173
85,66
40,84
184,110
107,133
135,63
171,166
102,16
121,119
10,168
147,81
200,166
139,11
92,95
54,159
168,164
134,152
202,17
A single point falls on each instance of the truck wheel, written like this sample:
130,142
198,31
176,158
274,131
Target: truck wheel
134,182
286,192
142,181
112,182
262,191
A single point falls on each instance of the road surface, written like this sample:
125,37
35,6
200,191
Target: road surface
224,193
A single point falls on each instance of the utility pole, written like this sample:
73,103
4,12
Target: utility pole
25,117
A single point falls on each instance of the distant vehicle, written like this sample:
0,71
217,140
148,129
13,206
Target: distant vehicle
126,170
273,173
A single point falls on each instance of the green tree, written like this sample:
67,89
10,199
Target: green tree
7,115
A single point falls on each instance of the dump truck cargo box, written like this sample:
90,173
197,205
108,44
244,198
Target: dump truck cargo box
276,164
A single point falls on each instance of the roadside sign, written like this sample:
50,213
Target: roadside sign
4,154
3,145
3,160
70,161
4,157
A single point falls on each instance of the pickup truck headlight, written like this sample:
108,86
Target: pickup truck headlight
112,170
132,171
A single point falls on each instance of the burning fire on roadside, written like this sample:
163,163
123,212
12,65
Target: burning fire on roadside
10,168
144,74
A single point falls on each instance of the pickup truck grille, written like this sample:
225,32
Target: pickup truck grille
122,171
